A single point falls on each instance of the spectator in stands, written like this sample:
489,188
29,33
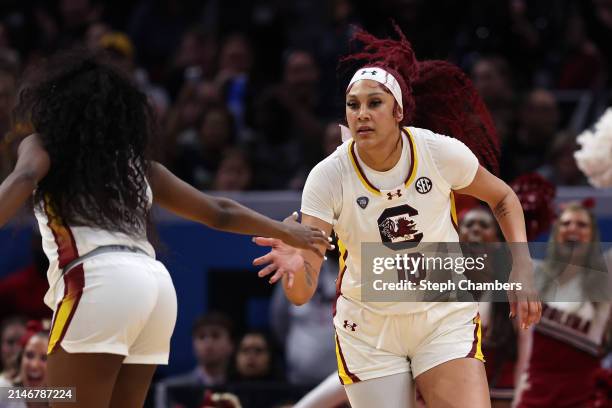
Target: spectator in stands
581,65
478,226
559,356
32,360
307,331
198,164
194,61
156,27
331,140
560,167
235,172
537,130
121,51
492,79
235,63
256,358
213,347
181,127
286,119
11,331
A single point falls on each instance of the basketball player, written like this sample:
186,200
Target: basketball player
88,167
384,173
564,350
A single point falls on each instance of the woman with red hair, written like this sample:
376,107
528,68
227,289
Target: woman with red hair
393,184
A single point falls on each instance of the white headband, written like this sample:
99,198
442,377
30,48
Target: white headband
382,77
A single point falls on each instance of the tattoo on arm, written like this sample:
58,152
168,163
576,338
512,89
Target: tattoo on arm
309,272
501,210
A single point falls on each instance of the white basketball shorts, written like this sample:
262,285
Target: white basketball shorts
118,303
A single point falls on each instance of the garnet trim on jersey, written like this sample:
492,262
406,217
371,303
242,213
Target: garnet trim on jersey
74,281
66,245
411,171
342,269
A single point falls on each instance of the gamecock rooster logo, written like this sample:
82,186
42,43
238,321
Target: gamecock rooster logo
396,225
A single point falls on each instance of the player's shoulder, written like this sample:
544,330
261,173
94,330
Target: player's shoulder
436,142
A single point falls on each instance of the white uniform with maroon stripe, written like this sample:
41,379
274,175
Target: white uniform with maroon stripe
410,203
116,302
574,331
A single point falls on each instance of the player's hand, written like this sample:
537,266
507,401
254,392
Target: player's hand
304,236
281,260
524,303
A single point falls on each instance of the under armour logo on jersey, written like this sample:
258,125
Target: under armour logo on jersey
363,202
423,185
390,194
348,325
365,71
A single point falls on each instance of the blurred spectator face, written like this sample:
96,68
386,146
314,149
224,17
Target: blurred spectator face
332,138
575,227
477,226
489,81
212,345
94,34
9,342
301,73
216,129
540,117
234,173
208,95
253,358
197,49
33,370
235,55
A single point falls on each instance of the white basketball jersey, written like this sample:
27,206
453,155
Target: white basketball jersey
421,209
64,243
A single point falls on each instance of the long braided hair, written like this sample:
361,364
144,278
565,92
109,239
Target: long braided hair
436,95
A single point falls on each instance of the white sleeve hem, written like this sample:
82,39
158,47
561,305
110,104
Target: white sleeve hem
318,215
472,176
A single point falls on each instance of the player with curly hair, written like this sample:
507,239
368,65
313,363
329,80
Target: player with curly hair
88,164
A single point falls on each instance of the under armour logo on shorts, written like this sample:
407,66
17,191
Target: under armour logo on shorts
349,326
390,195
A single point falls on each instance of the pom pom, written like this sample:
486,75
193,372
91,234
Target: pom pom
594,158
536,195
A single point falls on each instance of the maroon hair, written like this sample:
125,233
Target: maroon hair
395,57
436,95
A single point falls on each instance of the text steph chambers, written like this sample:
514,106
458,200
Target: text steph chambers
380,285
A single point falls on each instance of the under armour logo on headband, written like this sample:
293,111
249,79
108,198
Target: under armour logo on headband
382,77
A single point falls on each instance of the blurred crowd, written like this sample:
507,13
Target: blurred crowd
247,97
247,94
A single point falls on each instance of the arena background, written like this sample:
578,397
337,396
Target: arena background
268,70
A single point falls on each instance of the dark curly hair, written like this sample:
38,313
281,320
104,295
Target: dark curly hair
95,125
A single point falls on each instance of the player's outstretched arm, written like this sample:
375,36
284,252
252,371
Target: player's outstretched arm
224,214
298,268
509,214
32,166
